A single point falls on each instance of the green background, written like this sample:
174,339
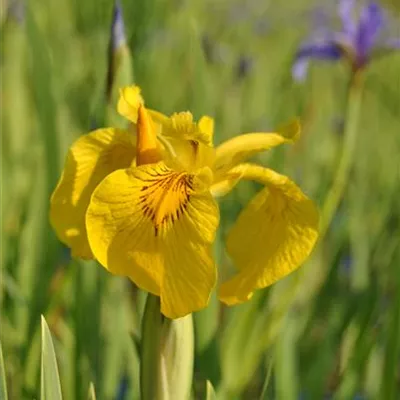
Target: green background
330,329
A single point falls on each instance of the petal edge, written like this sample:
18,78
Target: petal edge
90,159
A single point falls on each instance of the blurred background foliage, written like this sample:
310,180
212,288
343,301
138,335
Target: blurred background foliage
330,330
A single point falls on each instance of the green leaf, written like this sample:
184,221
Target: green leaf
119,355
45,102
210,392
267,380
92,393
150,348
392,347
3,382
50,387
285,361
176,358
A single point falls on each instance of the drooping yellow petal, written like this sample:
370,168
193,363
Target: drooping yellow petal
129,101
272,237
90,159
222,185
157,226
239,148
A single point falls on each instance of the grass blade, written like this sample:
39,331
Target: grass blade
210,393
50,387
92,393
3,382
390,381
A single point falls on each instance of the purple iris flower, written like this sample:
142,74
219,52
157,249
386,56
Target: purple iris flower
357,41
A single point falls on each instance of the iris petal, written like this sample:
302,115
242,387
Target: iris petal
90,159
300,69
206,125
129,101
371,22
181,126
191,142
325,50
223,186
156,226
272,236
240,148
346,10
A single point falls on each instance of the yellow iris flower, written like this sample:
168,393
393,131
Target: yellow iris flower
141,201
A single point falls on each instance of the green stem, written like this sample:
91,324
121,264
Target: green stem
341,178
150,348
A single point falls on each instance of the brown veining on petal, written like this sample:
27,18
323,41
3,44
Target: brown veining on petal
165,198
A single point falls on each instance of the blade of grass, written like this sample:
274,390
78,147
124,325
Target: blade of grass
389,389
285,356
92,393
47,249
210,392
3,382
50,386
264,391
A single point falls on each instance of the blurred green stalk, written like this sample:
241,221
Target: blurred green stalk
150,348
3,382
336,192
167,354
177,358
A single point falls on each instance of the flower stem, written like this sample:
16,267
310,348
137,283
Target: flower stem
341,178
150,348
167,354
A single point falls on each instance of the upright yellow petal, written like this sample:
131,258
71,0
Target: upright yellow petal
91,158
159,118
129,101
147,149
188,155
187,146
206,125
181,126
239,148
272,237
157,226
